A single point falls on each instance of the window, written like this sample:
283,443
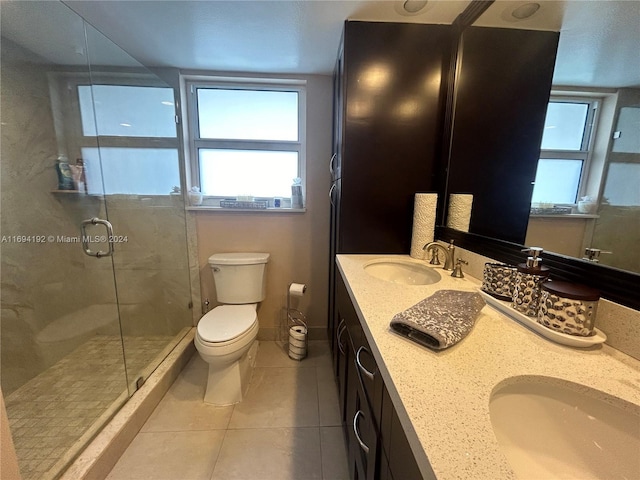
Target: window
135,128
565,150
246,139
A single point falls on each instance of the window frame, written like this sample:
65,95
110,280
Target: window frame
194,143
586,147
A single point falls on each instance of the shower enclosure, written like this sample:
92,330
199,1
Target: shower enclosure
95,284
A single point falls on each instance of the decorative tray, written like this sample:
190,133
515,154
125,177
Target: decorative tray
553,335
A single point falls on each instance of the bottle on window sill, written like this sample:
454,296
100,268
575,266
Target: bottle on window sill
296,193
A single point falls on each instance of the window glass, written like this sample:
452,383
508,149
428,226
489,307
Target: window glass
257,173
557,181
564,126
621,187
127,111
141,171
247,114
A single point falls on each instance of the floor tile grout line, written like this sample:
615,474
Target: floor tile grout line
215,462
318,365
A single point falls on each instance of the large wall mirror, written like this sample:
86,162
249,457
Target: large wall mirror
582,196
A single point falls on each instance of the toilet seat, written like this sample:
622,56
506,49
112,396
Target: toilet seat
226,324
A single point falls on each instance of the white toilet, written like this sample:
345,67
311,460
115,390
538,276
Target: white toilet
226,336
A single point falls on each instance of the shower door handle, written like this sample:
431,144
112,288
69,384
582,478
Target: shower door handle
86,238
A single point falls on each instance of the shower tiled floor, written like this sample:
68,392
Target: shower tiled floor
50,413
286,428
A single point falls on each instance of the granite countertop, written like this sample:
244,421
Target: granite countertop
442,398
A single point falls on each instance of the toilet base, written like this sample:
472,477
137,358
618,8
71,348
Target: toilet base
228,384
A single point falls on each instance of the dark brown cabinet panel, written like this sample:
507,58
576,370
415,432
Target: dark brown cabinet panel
386,130
400,459
389,99
376,444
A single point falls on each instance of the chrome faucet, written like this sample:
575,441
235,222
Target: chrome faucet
449,253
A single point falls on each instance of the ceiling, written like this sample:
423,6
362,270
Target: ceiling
599,41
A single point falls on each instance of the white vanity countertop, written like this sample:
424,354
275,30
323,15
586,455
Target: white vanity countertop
442,398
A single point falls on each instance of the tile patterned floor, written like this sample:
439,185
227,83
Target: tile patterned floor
286,428
51,412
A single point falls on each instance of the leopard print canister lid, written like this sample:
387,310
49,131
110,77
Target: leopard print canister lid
573,291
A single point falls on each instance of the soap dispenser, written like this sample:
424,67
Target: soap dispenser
528,283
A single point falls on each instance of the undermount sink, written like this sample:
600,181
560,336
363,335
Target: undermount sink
402,271
549,428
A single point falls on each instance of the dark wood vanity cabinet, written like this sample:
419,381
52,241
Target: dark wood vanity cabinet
390,141
389,99
376,444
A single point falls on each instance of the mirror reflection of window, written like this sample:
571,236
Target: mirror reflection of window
565,151
621,188
627,135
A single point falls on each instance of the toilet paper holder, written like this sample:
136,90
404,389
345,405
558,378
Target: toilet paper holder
296,325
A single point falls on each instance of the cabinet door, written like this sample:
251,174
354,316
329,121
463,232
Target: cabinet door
369,376
395,449
384,474
362,432
392,130
335,164
402,463
334,225
342,354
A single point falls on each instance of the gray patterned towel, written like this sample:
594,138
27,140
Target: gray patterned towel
441,320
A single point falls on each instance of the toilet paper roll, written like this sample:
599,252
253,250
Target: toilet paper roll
297,289
297,343
298,332
459,212
297,350
424,221
297,356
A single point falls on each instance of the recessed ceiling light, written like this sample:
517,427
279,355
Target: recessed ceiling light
525,11
414,6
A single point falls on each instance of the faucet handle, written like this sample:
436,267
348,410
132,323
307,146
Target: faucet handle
457,270
435,257
592,254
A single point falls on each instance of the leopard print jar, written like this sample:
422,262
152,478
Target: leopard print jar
498,280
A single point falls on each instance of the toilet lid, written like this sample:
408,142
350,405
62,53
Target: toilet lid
226,322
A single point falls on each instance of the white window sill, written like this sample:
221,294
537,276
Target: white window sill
206,208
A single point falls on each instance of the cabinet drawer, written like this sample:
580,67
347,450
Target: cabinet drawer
367,369
370,377
363,437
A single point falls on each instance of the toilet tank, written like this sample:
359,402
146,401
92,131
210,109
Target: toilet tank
239,277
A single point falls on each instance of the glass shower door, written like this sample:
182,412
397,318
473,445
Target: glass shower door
87,312
62,364
129,144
